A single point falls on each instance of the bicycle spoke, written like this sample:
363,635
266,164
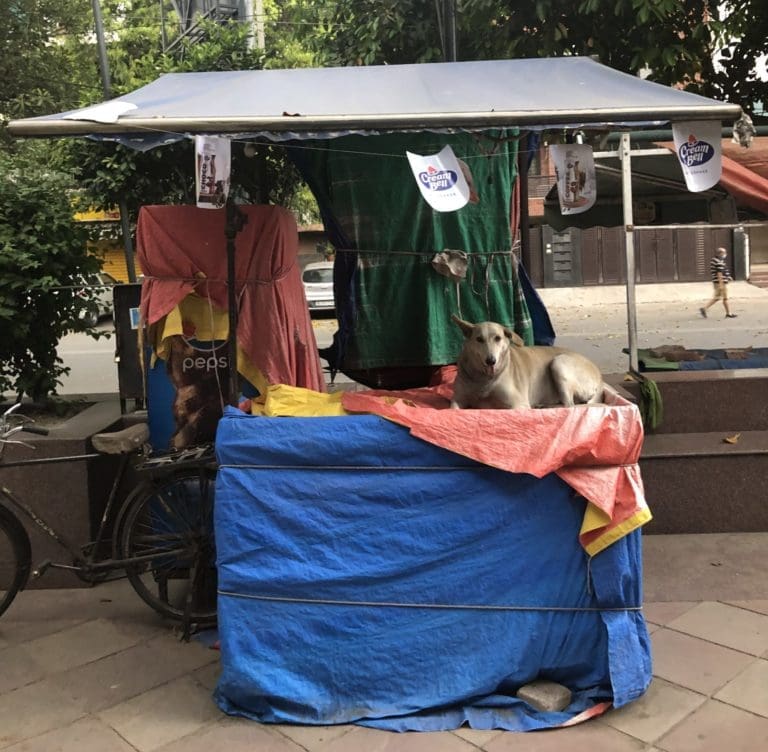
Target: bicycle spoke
167,537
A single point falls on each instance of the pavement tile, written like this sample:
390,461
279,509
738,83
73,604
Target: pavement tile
716,727
693,663
162,715
78,645
15,632
663,706
749,690
373,740
233,735
311,737
662,613
726,625
56,603
586,737
116,601
761,606
209,674
34,710
118,677
476,736
86,735
18,668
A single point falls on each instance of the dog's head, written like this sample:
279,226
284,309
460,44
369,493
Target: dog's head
486,345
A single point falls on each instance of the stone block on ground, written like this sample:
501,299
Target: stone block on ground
545,695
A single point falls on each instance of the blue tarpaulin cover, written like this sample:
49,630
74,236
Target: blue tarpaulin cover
366,576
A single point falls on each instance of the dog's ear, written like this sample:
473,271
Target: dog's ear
465,326
514,337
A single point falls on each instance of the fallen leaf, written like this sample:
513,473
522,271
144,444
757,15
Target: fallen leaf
732,439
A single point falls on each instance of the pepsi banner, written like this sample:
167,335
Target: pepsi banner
441,179
697,145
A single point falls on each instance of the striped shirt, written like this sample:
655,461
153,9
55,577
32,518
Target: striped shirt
717,265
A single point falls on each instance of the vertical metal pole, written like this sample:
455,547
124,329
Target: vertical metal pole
522,171
629,236
125,225
102,47
235,220
107,87
449,14
250,20
259,19
163,34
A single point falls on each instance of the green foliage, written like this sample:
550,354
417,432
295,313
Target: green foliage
42,251
744,31
43,42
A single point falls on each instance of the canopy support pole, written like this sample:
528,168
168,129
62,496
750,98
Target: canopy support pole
629,238
525,230
234,223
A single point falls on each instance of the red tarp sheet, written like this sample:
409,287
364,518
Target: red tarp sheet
182,249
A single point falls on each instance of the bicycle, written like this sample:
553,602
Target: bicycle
162,533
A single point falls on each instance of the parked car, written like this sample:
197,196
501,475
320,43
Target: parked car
103,299
318,286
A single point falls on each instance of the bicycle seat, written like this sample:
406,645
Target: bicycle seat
121,442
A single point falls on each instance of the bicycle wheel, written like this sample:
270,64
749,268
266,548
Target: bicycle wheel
168,526
15,557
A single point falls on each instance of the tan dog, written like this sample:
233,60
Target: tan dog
495,370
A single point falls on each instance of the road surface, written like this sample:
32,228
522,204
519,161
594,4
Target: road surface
588,320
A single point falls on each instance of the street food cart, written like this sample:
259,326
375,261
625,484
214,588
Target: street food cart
383,560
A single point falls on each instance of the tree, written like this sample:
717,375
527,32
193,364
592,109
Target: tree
51,64
45,59
46,66
43,253
735,77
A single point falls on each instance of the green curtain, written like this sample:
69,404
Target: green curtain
400,306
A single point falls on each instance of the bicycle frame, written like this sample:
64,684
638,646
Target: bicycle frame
84,563
83,557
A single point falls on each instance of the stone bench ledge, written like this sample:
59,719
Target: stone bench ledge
673,445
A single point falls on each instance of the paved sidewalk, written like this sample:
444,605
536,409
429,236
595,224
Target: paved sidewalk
94,670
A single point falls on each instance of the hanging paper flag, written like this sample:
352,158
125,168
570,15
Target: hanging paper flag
575,174
212,170
440,179
698,148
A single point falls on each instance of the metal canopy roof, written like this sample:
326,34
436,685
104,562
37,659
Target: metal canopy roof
568,92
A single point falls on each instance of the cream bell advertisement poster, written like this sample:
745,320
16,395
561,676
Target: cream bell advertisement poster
440,179
698,148
212,170
575,174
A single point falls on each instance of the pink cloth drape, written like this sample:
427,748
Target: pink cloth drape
182,249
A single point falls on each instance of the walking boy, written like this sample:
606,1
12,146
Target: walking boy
720,279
